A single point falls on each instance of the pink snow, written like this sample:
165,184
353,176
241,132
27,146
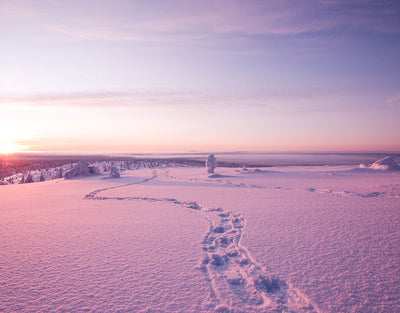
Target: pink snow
299,239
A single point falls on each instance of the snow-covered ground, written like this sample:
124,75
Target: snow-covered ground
291,239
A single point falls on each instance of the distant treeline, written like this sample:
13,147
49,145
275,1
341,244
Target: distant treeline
13,165
52,165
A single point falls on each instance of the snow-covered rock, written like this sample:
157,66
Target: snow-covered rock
211,163
81,169
385,164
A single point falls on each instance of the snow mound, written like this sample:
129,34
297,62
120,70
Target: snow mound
211,163
218,176
245,170
81,169
385,164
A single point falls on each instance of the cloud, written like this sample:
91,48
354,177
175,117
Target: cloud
60,99
284,101
394,101
109,99
196,20
18,9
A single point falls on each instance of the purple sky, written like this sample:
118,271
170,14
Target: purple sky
136,76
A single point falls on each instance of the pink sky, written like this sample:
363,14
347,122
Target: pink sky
133,76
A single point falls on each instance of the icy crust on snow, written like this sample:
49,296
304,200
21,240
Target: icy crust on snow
180,240
385,164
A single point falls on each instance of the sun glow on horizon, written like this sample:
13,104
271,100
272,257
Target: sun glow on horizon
9,144
12,139
8,147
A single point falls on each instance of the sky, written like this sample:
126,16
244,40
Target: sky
179,76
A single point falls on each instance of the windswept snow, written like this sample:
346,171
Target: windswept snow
385,164
315,239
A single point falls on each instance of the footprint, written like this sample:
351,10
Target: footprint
233,276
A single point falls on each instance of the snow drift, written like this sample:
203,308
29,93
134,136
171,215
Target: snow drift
385,164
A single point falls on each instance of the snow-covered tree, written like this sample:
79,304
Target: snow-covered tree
81,169
22,181
60,173
29,178
114,173
211,163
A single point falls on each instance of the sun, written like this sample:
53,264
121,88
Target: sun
7,147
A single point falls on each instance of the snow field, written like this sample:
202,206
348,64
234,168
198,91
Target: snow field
293,239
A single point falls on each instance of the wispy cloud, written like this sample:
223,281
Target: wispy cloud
85,99
109,99
18,9
184,20
394,101
285,101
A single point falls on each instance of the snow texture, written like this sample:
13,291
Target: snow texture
290,239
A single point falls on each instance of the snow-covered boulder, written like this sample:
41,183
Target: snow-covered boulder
81,169
114,173
211,163
385,164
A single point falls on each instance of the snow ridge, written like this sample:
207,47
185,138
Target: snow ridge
385,164
237,282
346,193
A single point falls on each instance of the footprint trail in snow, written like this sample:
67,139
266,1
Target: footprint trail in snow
237,282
